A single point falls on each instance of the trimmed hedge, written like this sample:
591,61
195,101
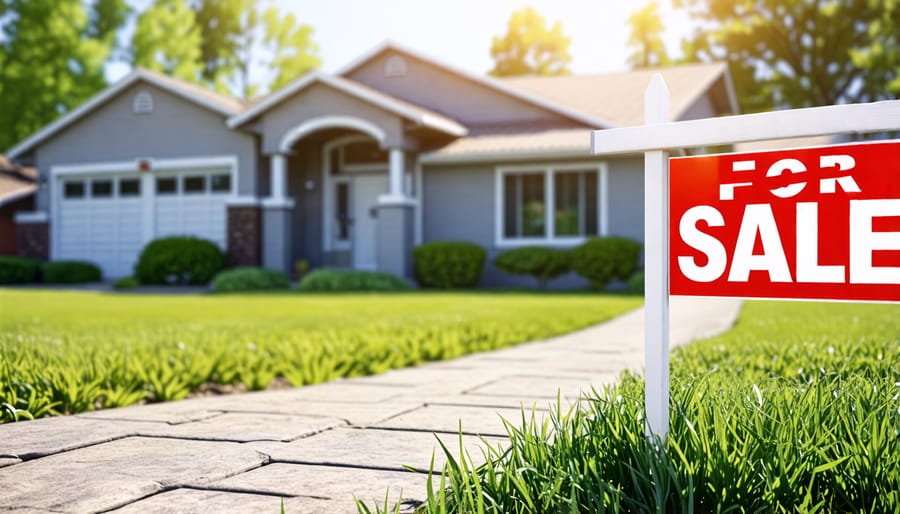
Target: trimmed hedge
70,272
636,282
250,279
17,270
603,259
179,260
351,280
126,283
537,261
448,264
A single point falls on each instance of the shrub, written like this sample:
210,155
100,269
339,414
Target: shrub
603,259
70,272
126,283
541,263
179,260
351,280
448,264
16,270
250,279
636,282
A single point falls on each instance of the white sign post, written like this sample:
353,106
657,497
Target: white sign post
655,139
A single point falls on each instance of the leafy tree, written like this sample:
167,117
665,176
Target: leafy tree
226,30
294,52
51,59
530,48
167,39
648,48
799,53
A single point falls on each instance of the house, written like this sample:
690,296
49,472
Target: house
351,169
17,187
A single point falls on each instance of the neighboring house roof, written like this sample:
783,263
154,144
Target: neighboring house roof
796,142
412,112
192,92
555,143
542,102
619,97
16,182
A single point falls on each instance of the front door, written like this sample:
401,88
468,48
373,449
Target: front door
364,192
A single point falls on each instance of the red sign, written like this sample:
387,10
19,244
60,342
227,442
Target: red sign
815,223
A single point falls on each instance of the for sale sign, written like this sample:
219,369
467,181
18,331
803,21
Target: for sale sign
816,223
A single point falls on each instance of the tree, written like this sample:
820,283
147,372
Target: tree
799,53
648,49
227,34
167,39
294,52
52,54
530,48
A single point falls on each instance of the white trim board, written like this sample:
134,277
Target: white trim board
32,217
206,162
106,95
812,121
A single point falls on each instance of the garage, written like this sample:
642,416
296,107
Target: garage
107,219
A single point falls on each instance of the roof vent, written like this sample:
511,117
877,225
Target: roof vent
143,103
395,67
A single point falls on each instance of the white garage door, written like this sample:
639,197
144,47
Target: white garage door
100,220
192,203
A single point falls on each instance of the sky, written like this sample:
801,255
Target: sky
459,32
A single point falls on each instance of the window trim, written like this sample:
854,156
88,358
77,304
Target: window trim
549,171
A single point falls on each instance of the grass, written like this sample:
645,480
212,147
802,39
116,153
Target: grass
795,410
69,352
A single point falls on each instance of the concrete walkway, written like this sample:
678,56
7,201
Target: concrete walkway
315,446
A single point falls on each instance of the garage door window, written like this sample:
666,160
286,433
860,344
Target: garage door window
166,185
129,187
220,183
195,184
73,189
101,189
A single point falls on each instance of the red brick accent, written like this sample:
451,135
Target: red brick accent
244,236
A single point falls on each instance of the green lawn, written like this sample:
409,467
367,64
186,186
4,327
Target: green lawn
67,352
797,409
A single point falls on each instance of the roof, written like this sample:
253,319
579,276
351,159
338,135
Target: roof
501,86
415,113
16,182
619,97
211,100
795,142
552,143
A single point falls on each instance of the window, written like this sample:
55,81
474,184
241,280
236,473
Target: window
166,186
101,188
343,211
553,204
73,189
129,187
220,183
195,184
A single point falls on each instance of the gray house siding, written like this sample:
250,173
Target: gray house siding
702,108
458,204
464,100
317,101
176,128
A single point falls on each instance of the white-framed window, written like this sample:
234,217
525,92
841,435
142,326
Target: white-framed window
550,204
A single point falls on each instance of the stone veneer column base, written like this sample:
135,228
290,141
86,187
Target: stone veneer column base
244,235
33,239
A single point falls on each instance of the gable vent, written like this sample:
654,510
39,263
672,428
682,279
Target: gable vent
395,67
143,103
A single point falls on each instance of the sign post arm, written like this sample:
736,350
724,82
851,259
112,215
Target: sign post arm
656,267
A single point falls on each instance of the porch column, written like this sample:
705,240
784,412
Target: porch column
395,221
276,219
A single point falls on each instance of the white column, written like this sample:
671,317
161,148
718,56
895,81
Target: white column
656,267
396,162
278,177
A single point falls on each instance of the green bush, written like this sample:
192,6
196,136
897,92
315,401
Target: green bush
16,270
250,279
448,264
70,272
603,259
539,262
351,280
636,282
126,283
179,260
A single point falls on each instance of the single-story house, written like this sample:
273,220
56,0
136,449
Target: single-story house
351,169
17,187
